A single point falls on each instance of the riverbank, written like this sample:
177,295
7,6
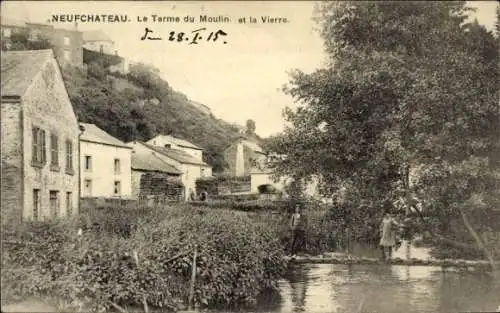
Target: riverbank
340,258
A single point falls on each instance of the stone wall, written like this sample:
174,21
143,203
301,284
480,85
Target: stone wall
11,168
160,184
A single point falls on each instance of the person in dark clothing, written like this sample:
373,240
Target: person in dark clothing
297,226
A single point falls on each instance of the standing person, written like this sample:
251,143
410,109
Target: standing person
192,196
297,225
388,228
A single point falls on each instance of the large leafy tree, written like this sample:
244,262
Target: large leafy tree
405,116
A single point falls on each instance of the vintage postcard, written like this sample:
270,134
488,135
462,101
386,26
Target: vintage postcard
250,156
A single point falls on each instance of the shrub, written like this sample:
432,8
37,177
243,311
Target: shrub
237,259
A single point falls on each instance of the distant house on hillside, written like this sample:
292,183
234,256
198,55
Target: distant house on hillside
105,164
99,45
67,42
245,157
192,168
153,177
39,139
171,142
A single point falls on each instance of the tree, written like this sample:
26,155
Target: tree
410,85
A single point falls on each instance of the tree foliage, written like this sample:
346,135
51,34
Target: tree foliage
408,86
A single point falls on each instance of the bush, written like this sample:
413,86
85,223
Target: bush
237,259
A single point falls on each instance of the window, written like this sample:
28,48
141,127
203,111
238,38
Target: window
7,32
67,55
69,157
88,163
66,41
117,166
38,149
168,145
54,150
69,203
117,191
87,188
36,204
54,202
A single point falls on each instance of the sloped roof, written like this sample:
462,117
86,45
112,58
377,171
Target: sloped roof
177,155
180,142
150,162
19,68
93,133
96,35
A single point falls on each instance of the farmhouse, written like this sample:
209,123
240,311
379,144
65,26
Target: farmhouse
39,139
106,164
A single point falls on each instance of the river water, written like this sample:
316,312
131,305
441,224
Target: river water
327,288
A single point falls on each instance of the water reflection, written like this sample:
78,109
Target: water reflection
326,288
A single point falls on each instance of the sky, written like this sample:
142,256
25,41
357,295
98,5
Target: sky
239,80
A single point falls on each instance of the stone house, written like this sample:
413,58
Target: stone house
191,167
96,42
153,177
105,164
67,42
39,139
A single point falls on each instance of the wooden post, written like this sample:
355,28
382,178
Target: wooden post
144,302
193,279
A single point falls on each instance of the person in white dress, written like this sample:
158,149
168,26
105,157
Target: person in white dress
388,228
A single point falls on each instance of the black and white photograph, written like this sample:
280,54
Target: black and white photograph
250,156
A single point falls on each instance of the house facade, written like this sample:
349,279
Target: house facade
39,139
67,43
105,170
171,142
243,157
191,168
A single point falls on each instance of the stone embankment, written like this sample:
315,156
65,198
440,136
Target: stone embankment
340,258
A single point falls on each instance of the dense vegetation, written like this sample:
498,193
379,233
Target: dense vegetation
237,259
406,118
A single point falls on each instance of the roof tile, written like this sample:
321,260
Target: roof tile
93,133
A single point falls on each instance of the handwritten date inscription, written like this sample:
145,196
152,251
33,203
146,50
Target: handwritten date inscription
191,38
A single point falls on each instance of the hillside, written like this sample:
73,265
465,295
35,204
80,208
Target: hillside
140,105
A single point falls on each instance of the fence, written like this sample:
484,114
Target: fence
95,202
158,200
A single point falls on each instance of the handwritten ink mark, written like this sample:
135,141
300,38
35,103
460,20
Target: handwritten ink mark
148,31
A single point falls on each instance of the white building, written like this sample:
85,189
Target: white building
171,142
192,168
105,169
